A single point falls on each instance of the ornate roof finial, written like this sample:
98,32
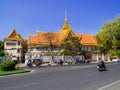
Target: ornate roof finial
13,27
66,19
66,24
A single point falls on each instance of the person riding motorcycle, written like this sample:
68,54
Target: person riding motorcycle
29,63
101,65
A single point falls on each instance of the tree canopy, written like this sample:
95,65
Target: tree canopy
2,49
50,36
108,37
71,45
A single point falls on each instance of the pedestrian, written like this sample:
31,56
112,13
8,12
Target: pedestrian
61,62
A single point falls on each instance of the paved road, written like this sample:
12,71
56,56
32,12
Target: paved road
84,77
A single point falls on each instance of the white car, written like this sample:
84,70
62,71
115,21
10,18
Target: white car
116,60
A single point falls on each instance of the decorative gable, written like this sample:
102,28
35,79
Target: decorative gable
15,36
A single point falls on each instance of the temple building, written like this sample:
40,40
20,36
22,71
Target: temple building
15,46
38,43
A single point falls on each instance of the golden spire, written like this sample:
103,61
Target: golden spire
66,29
66,19
66,23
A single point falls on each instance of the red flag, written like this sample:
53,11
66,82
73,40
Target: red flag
80,37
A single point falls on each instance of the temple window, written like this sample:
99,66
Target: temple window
58,48
18,50
55,49
18,43
83,48
10,44
45,49
89,48
86,48
30,49
37,48
93,48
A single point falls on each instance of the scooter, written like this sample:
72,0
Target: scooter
101,68
29,64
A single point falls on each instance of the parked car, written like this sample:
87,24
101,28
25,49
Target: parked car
116,60
37,62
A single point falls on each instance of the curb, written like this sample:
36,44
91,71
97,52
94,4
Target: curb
12,73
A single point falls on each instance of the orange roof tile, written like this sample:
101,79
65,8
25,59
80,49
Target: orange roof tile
87,39
40,38
33,39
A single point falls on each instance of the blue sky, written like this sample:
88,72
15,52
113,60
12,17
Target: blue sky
28,16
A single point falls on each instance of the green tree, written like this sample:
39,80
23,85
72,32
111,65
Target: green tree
108,37
2,53
2,49
103,40
7,65
50,43
118,53
65,52
71,46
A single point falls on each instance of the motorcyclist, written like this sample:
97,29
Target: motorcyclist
101,64
29,63
61,62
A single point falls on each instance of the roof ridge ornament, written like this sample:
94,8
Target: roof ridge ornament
66,18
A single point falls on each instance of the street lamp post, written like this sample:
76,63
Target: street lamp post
18,62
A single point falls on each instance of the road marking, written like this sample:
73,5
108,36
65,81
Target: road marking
104,87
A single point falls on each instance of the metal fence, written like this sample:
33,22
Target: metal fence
54,58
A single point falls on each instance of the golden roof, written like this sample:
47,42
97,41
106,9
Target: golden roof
43,38
66,31
87,39
15,36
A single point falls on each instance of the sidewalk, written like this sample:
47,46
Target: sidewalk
24,65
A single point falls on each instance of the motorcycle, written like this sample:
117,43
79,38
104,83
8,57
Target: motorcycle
101,68
29,63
